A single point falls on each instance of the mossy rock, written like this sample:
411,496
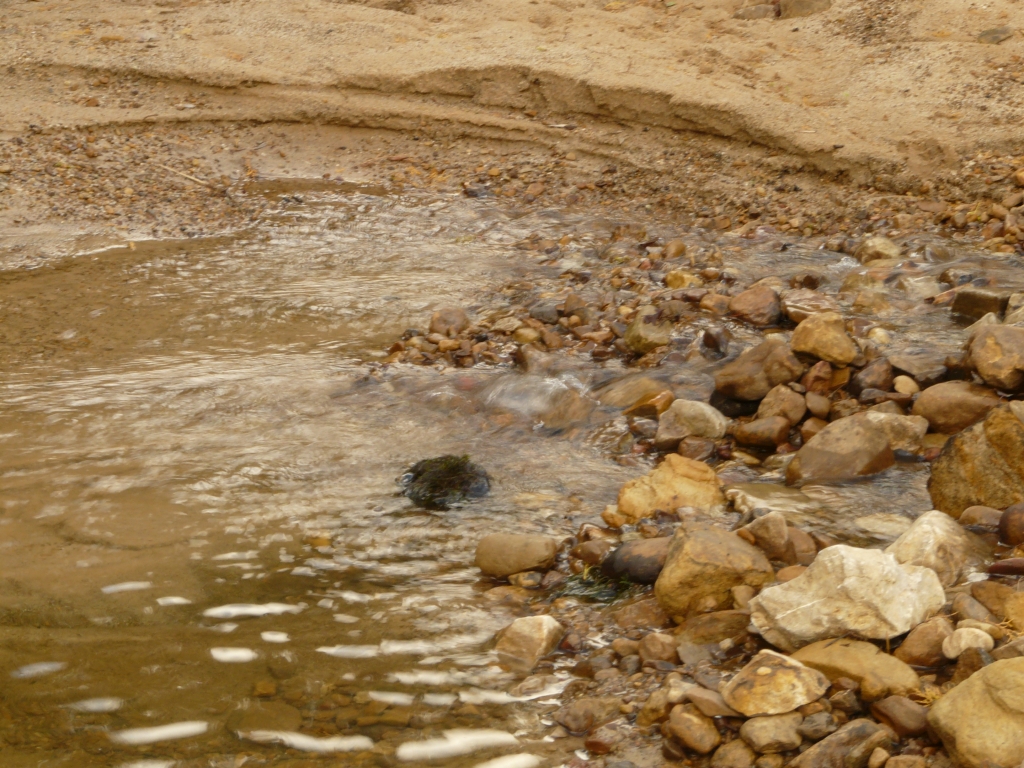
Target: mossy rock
444,481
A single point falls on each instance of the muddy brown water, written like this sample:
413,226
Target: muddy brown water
194,431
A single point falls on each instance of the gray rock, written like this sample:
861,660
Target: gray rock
937,541
774,733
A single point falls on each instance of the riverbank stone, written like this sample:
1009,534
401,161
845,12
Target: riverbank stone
847,591
676,482
753,374
857,660
982,720
953,406
703,564
983,465
823,335
848,448
527,640
773,684
937,541
502,554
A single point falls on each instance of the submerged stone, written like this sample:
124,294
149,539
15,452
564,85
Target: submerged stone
443,481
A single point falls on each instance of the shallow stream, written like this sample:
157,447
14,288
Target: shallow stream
199,518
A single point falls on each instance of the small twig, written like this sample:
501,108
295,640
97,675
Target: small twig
183,175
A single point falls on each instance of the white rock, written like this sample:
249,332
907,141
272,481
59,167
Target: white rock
525,641
964,638
847,591
937,541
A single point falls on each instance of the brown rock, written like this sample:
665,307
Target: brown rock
983,517
774,733
966,607
647,331
907,718
696,448
606,738
824,336
763,433
693,729
857,660
583,715
952,406
818,405
752,375
845,449
736,753
707,628
983,465
758,306
849,747
875,375
923,645
875,248
676,482
773,684
642,614
811,427
997,353
502,554
1013,609
703,564
659,647
818,378
449,321
710,703
526,640
992,595
783,401
977,301
1011,525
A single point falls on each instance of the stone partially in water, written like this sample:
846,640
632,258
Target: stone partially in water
953,406
647,331
824,336
676,482
526,641
502,554
686,418
639,561
983,465
443,481
847,591
875,248
997,353
752,375
845,449
703,564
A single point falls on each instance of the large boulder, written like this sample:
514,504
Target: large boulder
676,482
824,336
857,660
773,684
686,418
997,354
982,720
847,592
704,563
502,554
752,375
845,449
983,465
937,541
953,406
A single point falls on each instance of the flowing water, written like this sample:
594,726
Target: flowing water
199,521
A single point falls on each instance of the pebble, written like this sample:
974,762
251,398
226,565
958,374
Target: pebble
965,638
